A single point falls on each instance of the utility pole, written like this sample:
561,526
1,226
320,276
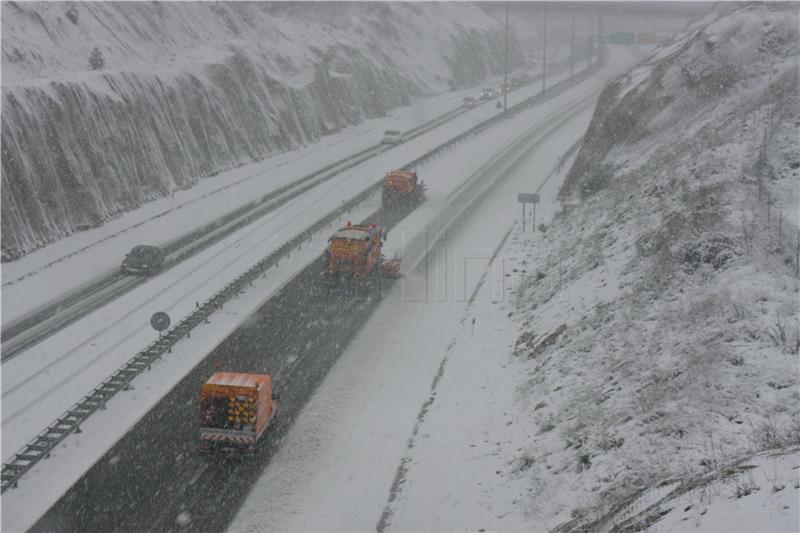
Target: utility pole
505,80
572,44
600,41
589,42
544,47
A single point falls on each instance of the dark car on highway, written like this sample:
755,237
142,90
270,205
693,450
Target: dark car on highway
143,259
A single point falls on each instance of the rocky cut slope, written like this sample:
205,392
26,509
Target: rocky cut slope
662,322
190,89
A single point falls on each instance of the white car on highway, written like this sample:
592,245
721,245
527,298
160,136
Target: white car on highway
393,137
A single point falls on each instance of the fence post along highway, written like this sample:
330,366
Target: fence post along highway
69,421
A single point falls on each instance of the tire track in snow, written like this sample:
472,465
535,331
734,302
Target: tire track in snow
402,469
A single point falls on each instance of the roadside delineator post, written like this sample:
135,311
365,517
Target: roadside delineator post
523,217
797,256
769,207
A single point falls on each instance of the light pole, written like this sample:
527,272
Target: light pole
572,44
600,43
505,78
589,41
544,48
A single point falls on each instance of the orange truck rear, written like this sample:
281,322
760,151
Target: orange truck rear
354,251
402,188
235,410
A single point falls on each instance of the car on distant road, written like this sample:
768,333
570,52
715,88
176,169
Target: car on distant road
468,101
520,80
392,137
487,94
143,259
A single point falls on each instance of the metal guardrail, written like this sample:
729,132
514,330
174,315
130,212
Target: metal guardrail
69,422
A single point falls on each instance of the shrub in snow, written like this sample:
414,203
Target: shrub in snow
784,337
584,462
72,14
715,249
525,343
548,425
745,487
96,59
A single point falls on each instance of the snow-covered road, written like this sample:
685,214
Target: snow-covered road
389,438
39,384
41,276
42,382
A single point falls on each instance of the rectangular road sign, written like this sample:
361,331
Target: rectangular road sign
621,38
528,198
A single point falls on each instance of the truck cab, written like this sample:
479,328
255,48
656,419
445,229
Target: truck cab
393,137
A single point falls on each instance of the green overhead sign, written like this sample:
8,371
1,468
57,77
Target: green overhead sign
621,38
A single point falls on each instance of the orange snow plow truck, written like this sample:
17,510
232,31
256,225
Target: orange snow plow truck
402,188
354,256
235,410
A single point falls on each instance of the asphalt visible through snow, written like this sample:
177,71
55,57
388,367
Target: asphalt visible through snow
155,478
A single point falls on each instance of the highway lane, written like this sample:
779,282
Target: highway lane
44,401
155,479
36,325
155,472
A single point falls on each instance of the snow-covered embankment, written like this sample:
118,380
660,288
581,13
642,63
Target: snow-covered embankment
660,315
190,89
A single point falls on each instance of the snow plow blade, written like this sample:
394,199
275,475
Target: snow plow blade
391,268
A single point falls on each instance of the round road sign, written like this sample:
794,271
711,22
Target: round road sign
159,321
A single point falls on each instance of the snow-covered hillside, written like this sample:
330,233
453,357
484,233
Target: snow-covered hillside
190,89
758,493
660,315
